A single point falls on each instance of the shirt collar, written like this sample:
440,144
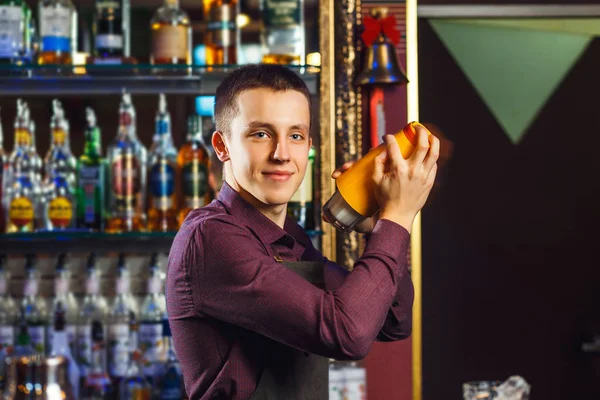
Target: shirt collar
267,230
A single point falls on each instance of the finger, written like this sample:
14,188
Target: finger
345,166
433,153
395,158
422,146
379,167
432,175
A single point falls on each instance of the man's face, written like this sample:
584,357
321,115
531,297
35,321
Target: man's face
268,144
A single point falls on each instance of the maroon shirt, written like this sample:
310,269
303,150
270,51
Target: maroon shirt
228,296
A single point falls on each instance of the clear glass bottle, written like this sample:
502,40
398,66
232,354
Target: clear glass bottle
135,386
97,384
34,309
61,345
172,385
283,32
23,191
91,182
151,318
9,317
162,211
171,35
119,328
127,159
64,300
58,27
15,39
92,313
193,166
3,179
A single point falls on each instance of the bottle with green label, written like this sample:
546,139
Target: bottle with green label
283,31
15,38
91,173
301,207
193,165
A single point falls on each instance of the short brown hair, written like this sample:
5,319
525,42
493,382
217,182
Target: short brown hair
253,76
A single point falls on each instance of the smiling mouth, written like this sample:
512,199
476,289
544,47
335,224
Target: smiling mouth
278,176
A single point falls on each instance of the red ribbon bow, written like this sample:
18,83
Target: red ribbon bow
373,27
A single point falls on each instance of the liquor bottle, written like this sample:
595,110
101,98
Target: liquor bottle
119,332
283,32
3,178
19,367
172,387
193,166
171,35
300,206
111,28
22,187
134,385
58,25
90,187
8,320
15,39
127,159
37,162
60,183
60,346
162,213
97,384
92,314
152,314
222,35
64,300
33,308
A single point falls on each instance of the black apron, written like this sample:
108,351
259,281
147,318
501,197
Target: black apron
291,374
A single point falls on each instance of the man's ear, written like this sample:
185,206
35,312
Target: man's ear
218,143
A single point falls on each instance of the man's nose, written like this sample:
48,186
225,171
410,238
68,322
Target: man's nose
282,151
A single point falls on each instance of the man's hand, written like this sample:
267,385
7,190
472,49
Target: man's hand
368,224
402,186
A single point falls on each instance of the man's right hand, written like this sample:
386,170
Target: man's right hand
402,186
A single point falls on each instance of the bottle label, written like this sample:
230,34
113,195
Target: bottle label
172,384
55,28
7,338
84,348
154,285
195,184
22,137
150,341
30,288
38,338
60,212
118,339
20,212
92,286
59,137
221,25
282,13
162,184
170,42
126,181
71,331
109,41
90,178
61,286
11,35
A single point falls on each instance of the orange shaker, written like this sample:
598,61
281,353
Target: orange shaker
354,200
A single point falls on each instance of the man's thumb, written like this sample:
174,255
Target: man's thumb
379,166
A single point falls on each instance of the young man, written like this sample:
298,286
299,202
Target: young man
255,310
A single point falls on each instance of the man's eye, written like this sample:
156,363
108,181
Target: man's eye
296,136
260,134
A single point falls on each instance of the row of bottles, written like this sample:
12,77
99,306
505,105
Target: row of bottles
113,351
104,194
347,381
54,40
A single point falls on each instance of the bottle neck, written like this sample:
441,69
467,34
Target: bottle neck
172,3
92,147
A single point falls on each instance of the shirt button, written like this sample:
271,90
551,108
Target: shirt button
395,304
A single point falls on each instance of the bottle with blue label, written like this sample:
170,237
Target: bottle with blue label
162,212
58,28
15,38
